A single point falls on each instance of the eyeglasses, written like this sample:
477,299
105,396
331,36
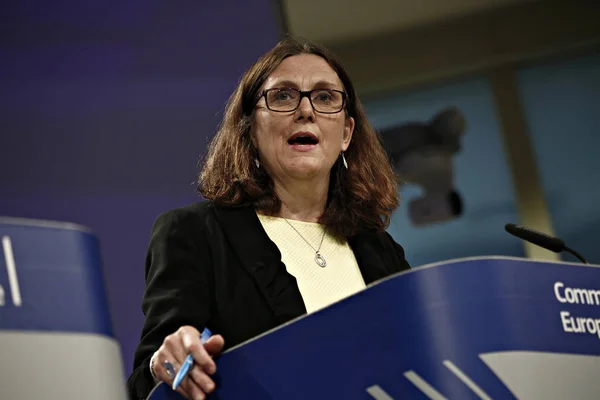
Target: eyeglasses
325,101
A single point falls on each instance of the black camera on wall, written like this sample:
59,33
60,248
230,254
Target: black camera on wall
422,153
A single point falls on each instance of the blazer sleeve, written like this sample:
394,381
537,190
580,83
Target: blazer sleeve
178,289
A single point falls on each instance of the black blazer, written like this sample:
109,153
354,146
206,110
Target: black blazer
215,266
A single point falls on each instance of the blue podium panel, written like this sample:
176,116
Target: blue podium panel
55,325
479,328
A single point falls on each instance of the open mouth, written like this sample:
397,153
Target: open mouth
303,138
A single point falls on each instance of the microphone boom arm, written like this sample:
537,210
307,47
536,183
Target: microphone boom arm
576,254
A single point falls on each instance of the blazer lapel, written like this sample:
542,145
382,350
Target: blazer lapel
262,259
369,256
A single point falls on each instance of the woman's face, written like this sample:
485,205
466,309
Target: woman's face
302,144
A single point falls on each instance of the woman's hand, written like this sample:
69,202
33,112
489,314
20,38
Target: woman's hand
174,350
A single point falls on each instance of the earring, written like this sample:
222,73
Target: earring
344,160
257,162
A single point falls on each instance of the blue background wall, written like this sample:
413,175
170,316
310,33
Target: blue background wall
104,110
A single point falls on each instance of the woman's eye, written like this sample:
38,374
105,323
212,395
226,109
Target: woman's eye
324,96
283,95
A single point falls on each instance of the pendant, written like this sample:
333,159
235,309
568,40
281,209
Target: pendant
319,259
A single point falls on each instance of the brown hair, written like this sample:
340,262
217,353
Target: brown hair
360,198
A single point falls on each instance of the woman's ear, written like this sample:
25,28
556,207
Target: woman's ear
348,131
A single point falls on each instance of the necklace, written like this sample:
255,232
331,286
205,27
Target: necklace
319,259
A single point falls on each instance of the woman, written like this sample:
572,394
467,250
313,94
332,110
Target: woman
299,193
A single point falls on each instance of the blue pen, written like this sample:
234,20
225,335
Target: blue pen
189,360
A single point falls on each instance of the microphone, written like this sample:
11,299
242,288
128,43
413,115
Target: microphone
541,239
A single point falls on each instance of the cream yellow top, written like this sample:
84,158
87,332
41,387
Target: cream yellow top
319,286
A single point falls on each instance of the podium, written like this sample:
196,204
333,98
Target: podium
475,328
56,337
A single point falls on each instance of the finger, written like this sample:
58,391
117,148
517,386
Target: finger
189,390
192,389
202,379
184,393
160,367
214,345
189,329
193,346
174,345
